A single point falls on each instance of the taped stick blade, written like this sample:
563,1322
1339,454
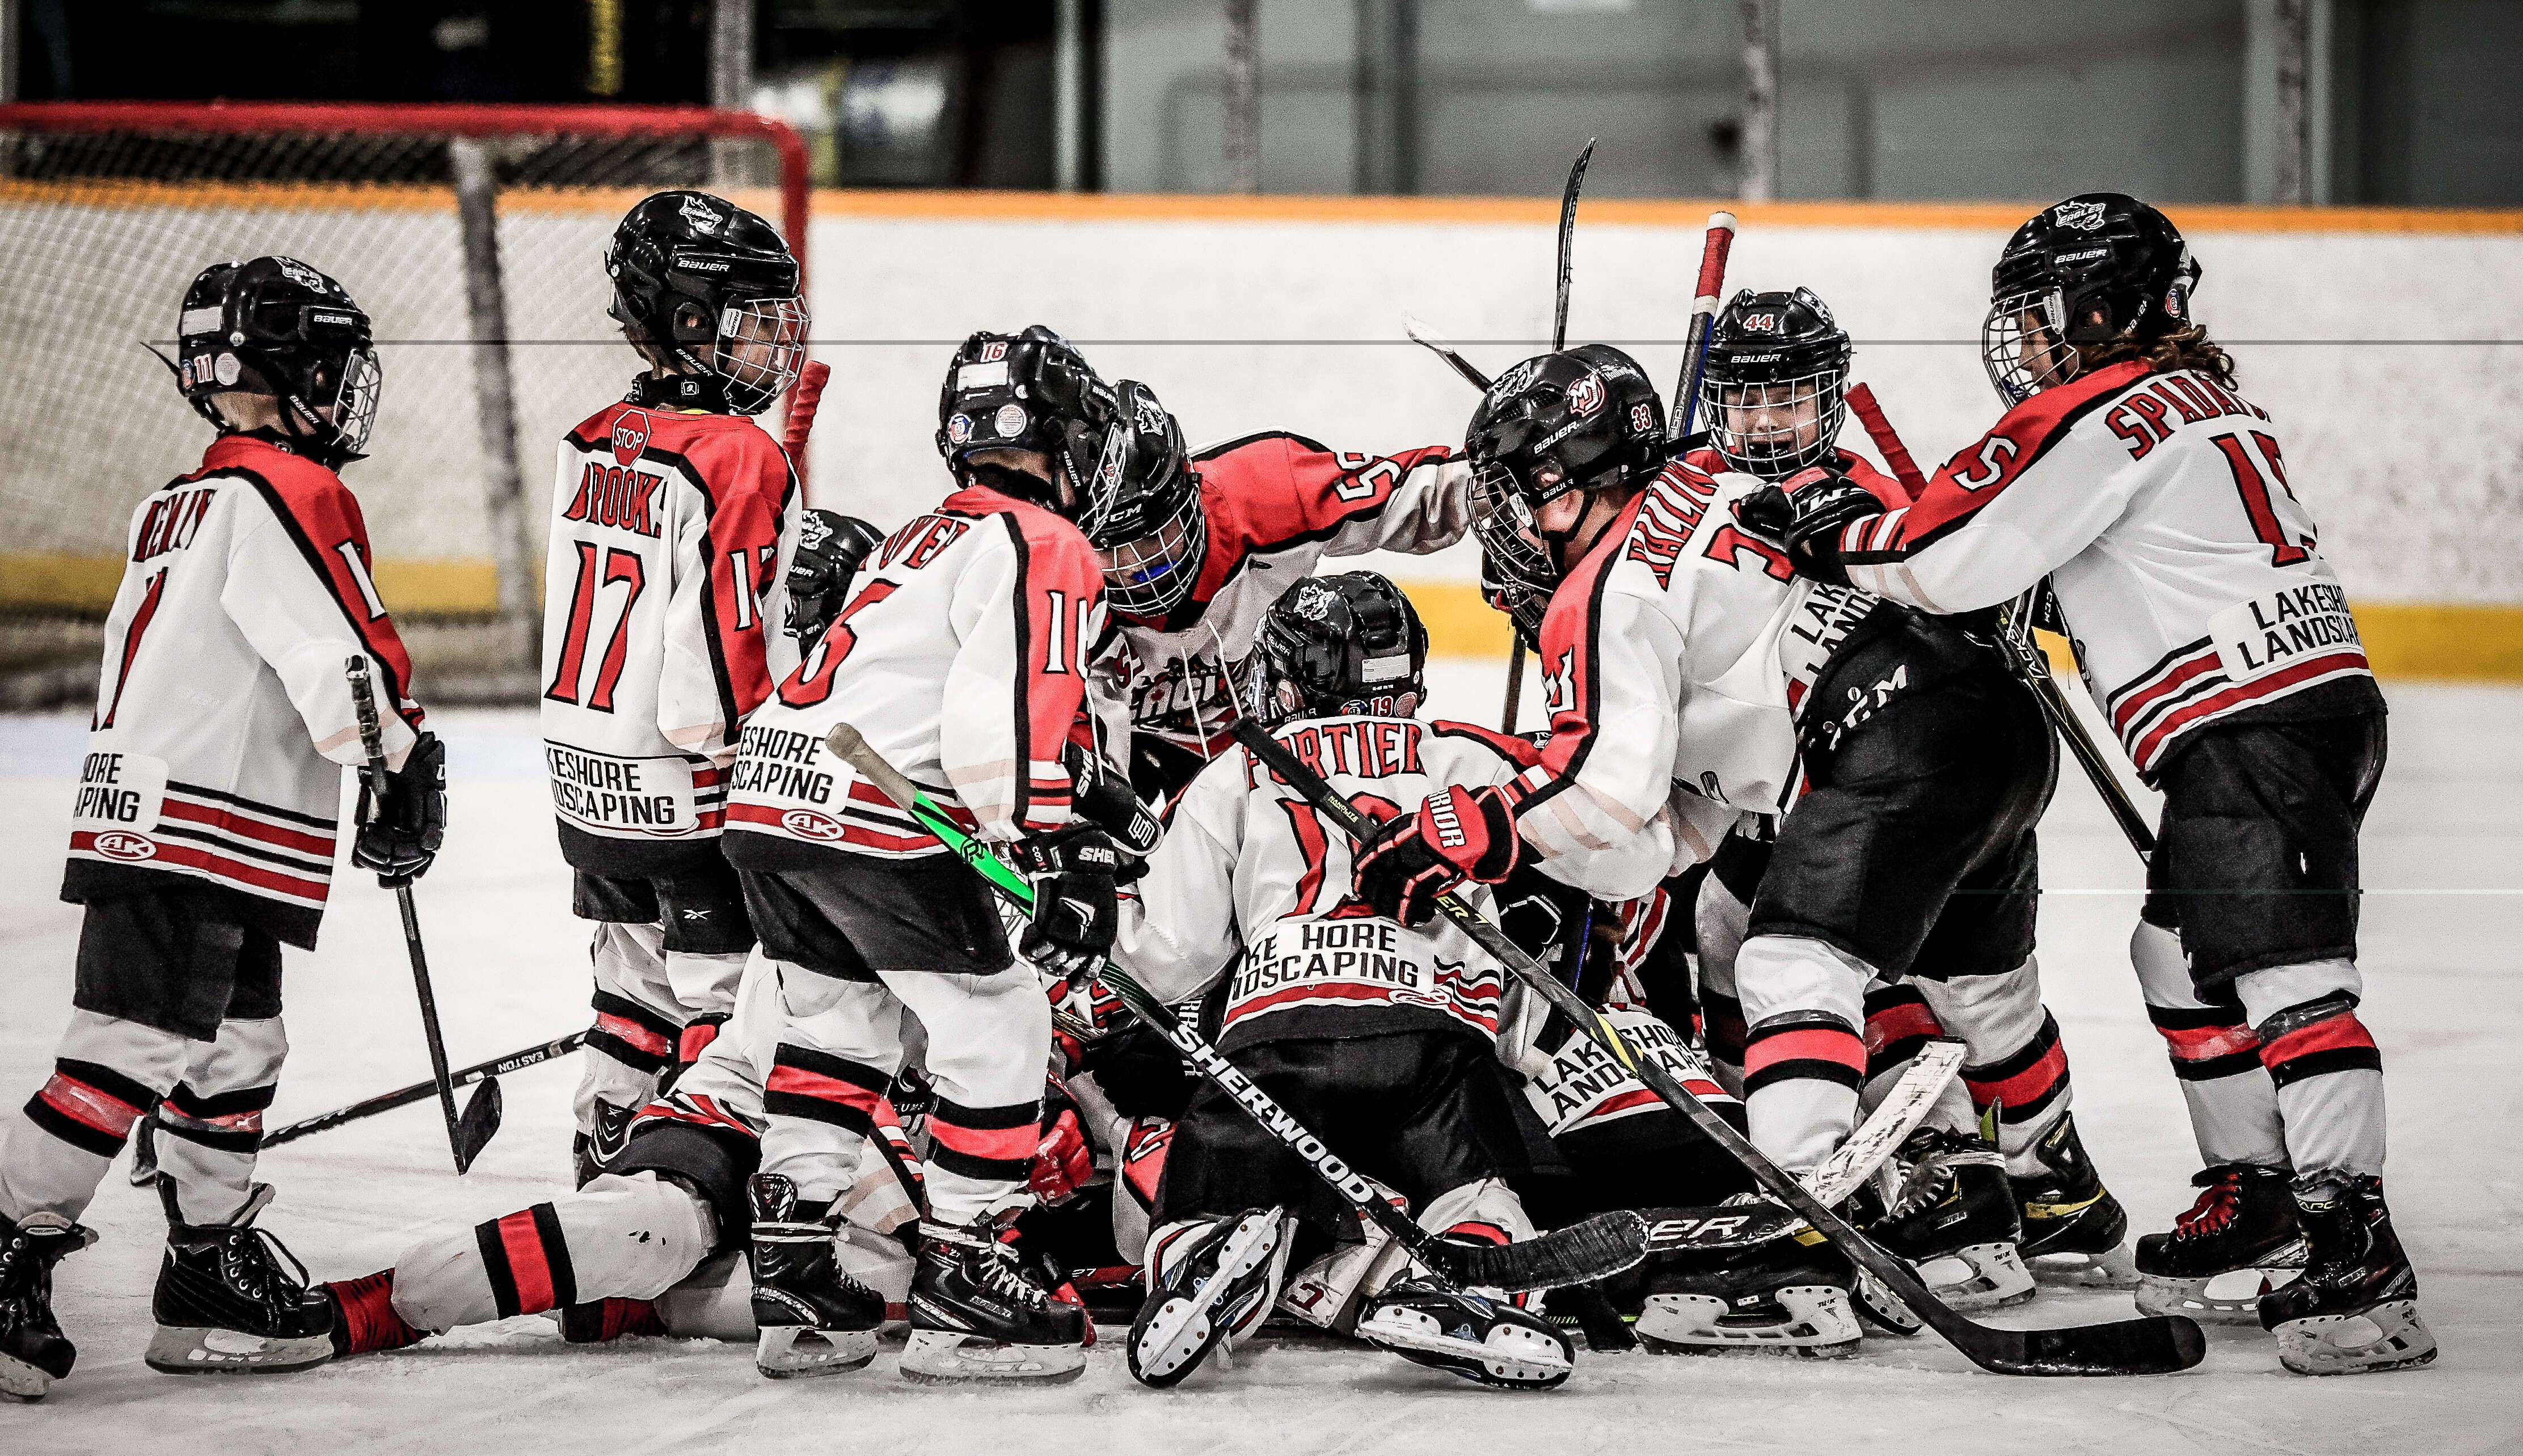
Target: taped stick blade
479,1124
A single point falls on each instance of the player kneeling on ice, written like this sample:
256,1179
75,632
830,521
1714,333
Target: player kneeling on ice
202,839
1376,1037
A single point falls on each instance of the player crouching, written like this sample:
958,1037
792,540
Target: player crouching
1375,1037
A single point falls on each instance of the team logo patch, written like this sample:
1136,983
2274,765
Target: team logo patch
2084,216
120,844
1010,421
806,824
703,218
1514,380
1586,396
227,369
298,273
630,436
959,428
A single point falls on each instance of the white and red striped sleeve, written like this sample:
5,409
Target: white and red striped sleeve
1178,929
723,618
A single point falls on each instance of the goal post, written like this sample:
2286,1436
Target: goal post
472,235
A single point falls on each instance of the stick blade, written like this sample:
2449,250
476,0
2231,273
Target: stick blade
2152,1344
1580,1253
479,1124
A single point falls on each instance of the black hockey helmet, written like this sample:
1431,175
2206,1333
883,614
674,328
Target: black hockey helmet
714,289
830,549
1029,391
1143,511
1581,419
1775,389
276,326
2099,267
1341,645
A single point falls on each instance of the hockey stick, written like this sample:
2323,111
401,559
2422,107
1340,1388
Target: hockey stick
2148,1345
804,399
1598,1247
405,1097
1713,253
1465,368
466,1135
2022,653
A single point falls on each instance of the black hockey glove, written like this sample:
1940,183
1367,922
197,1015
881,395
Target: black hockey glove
1075,902
1805,516
1456,834
400,829
830,549
1103,797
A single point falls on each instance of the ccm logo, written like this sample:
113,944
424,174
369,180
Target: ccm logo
118,844
806,824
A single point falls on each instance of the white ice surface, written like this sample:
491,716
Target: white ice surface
2444,856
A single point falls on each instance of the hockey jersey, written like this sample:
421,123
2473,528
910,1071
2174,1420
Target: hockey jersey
665,594
1250,875
1675,659
224,714
960,656
1275,505
2157,503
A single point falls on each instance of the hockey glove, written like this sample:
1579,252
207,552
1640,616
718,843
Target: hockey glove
1805,516
830,549
1075,902
400,829
1457,834
1103,797
1082,1011
1063,1160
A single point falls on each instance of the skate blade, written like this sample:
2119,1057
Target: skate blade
1978,1276
943,1357
182,1349
1186,1330
21,1381
2388,1336
786,1352
1512,1357
2115,1268
1820,1325
2232,1297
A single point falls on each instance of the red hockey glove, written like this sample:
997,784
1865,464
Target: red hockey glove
1063,1161
1457,834
1083,1012
1805,516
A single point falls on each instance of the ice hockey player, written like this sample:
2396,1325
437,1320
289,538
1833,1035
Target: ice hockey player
1774,397
960,656
202,838
1376,1037
1196,547
650,1244
2217,642
674,526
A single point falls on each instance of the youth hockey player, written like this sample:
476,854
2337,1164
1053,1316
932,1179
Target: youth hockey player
1774,397
961,657
673,522
1376,1037
2217,642
203,835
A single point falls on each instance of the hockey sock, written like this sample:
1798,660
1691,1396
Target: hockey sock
1898,1022
212,1123
628,1049
2216,1056
2322,1061
987,1038
979,1157
108,1074
821,1108
628,1236
1801,1071
2015,1062
367,1321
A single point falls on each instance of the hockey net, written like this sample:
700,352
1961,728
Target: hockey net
473,238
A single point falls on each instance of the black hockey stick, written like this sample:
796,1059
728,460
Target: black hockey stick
1470,371
466,1135
2152,1344
403,1097
2016,645
1598,1248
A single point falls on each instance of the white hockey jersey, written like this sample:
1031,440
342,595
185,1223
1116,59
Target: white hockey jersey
2157,503
1275,505
960,657
1250,875
665,591
1675,657
223,715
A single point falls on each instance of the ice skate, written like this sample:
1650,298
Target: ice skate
813,1318
975,1315
2238,1242
1786,1295
1955,1219
1479,1336
2355,1308
590,1151
1215,1288
2075,1234
231,1298
33,1351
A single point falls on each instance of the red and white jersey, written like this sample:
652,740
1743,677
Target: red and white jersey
664,594
1675,658
1250,875
960,657
223,715
2157,503
1275,505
